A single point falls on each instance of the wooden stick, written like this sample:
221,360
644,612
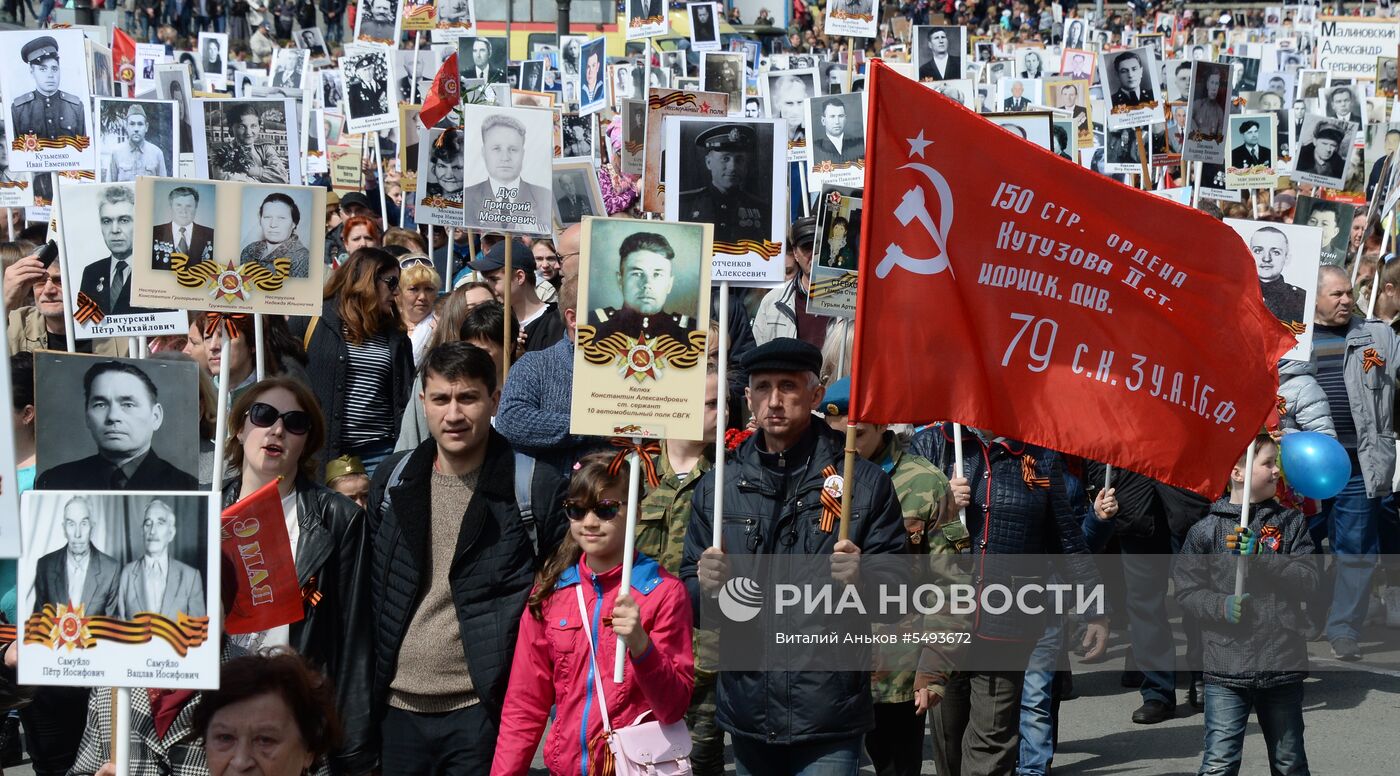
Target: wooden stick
848,480
721,408
508,280
1145,182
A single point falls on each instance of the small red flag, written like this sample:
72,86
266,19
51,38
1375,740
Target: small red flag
1009,289
444,95
258,564
124,59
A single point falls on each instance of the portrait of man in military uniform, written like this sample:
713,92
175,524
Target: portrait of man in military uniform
723,72
719,188
1286,258
39,106
645,275
125,148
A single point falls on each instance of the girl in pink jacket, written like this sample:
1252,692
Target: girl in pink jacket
551,665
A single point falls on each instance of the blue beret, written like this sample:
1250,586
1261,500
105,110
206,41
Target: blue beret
838,397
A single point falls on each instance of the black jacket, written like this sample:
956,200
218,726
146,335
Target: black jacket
492,569
795,706
332,550
327,359
94,473
1019,507
1146,506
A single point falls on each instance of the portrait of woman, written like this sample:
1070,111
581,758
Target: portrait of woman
278,219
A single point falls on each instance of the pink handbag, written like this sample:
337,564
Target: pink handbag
641,748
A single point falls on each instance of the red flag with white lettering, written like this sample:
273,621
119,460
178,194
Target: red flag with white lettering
259,569
443,95
1006,288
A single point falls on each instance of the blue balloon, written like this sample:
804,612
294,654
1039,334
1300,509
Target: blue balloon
1316,465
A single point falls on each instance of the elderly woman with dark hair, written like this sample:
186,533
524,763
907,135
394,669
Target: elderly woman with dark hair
272,715
278,219
445,159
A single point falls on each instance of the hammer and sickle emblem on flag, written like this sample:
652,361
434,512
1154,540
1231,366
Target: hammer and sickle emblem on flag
914,207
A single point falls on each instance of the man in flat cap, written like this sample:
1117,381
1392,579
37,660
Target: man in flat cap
47,112
787,470
1320,157
136,156
645,275
504,197
1250,153
737,215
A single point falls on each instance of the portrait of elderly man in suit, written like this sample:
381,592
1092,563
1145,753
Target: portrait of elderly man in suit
156,582
503,150
77,573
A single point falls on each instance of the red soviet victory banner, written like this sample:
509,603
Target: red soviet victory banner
124,59
443,95
1006,288
257,559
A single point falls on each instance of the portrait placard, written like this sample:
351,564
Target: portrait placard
1324,149
371,96
593,83
1334,219
482,58
141,616
291,71
647,19
1031,126
1205,113
439,177
508,156
577,194
44,90
939,52
1286,256
851,18
248,140
137,426
640,363
1071,97
670,102
579,135
137,137
251,247
16,188
704,25
408,144
313,142
836,132
731,173
10,546
173,83
213,61
311,39
836,252
722,72
786,93
634,136
378,23
1130,78
148,55
1253,138
1078,64
418,15
98,224
453,19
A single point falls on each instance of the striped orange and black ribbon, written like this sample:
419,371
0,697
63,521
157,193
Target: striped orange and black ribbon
644,451
32,142
88,310
310,594
1370,358
1029,474
183,633
656,102
765,248
831,503
226,321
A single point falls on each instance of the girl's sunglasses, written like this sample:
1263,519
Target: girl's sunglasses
413,261
265,416
605,509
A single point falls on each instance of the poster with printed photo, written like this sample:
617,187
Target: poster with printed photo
44,91
313,142
311,39
108,424
1334,219
213,60
787,93
1078,64
704,26
836,132
1071,98
141,615
10,546
248,140
482,58
418,15
634,136
1017,94
100,72
579,136
723,73
1252,143
731,173
836,252
16,188
454,18
291,71
148,55
939,52
576,192
98,225
378,23
1130,79
230,246
508,157
851,18
247,80
1323,151
646,288
660,104
1205,113
593,83
173,83
647,19
439,177
1031,126
1286,256
371,99
136,137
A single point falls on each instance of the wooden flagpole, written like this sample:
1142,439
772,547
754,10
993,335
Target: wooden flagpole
721,410
508,280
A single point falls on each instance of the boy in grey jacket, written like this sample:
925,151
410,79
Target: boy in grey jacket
1255,654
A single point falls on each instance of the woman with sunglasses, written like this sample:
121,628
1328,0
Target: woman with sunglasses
554,651
274,433
359,359
419,283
